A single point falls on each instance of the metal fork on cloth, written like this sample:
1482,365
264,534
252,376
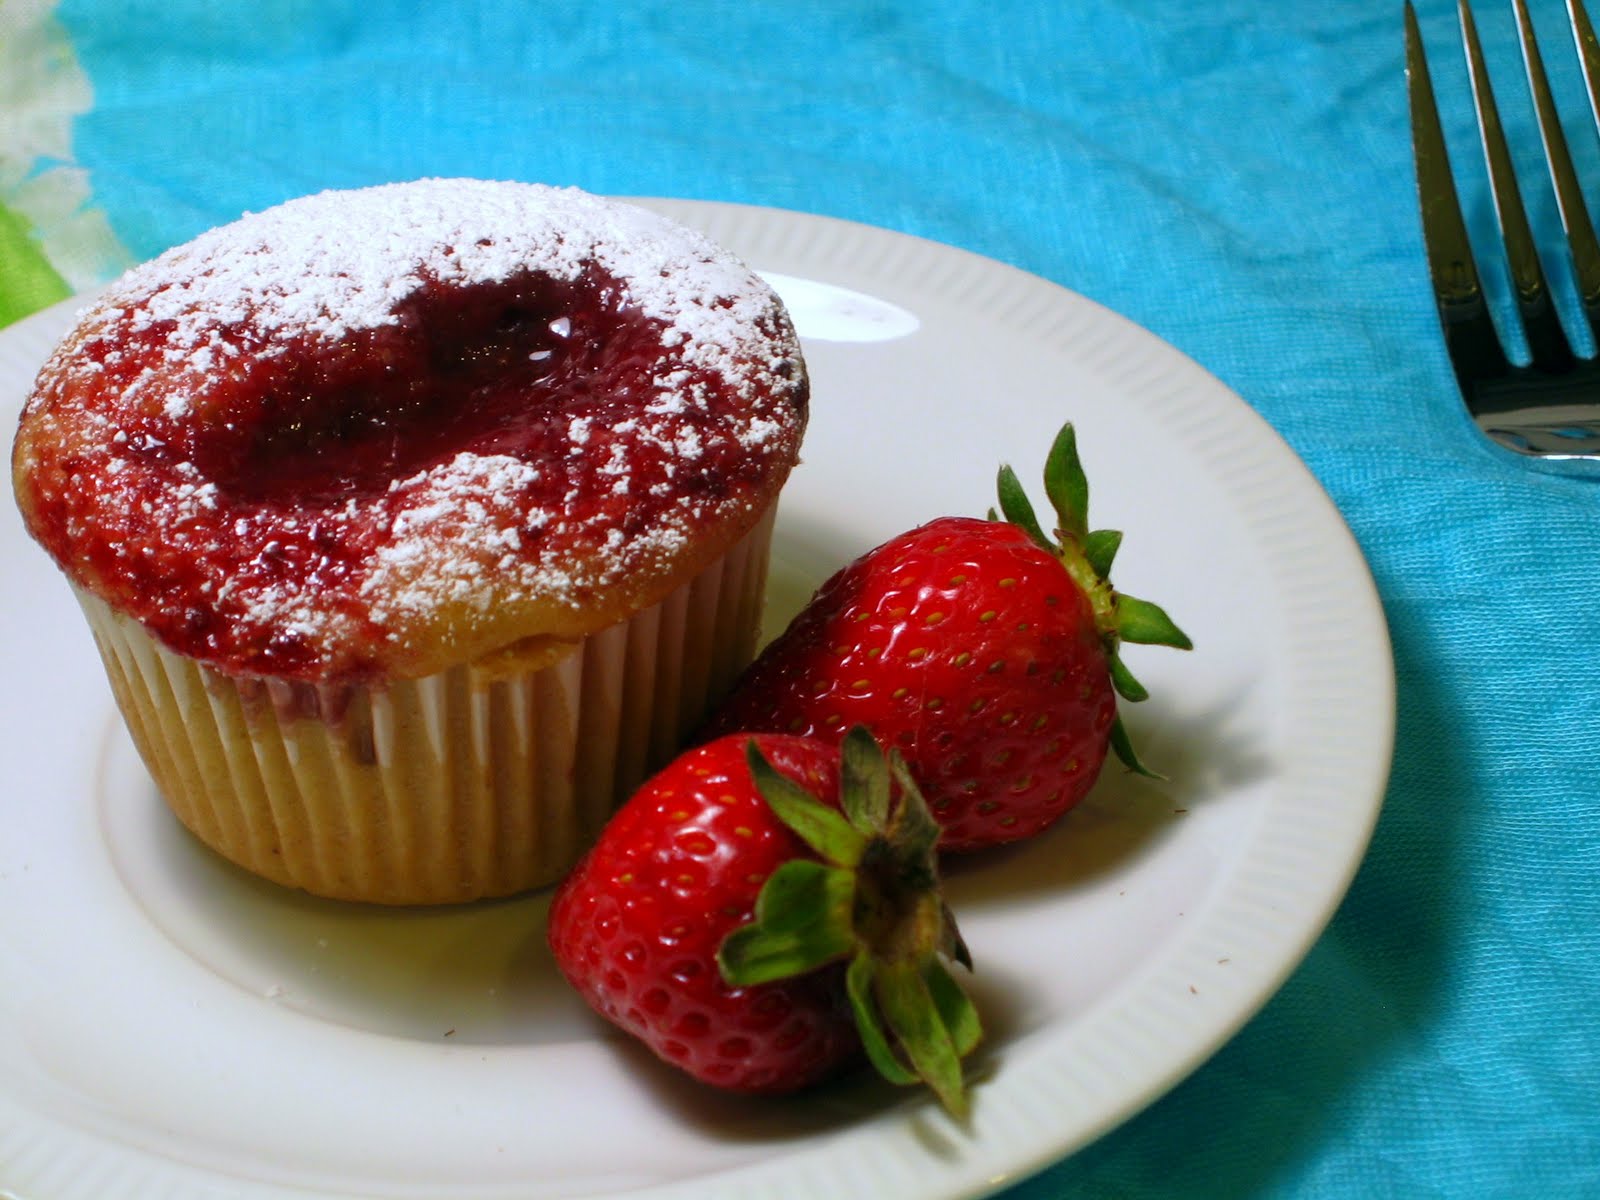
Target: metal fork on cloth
1548,408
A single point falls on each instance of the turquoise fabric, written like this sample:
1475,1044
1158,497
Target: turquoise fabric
1237,178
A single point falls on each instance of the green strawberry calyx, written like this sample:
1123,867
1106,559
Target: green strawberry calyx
870,899
1087,555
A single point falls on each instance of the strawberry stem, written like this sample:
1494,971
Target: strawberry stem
873,901
1087,557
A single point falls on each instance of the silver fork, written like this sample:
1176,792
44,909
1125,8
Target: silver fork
1547,409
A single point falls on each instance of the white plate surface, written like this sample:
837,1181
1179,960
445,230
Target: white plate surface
172,1028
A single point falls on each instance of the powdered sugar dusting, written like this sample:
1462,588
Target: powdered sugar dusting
609,487
337,262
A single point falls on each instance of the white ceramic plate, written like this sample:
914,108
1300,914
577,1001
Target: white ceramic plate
172,1028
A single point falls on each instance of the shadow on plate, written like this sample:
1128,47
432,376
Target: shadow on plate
1206,758
847,1101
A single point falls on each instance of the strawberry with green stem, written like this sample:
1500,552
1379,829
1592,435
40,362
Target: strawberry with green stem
764,910
987,652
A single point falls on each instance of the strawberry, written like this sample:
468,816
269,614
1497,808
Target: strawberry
763,910
987,653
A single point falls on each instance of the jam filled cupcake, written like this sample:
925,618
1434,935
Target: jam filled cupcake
416,524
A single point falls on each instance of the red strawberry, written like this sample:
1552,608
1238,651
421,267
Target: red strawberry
764,909
985,652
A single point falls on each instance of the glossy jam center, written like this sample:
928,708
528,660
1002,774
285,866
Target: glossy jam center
493,368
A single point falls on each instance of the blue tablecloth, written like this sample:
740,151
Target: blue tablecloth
1234,176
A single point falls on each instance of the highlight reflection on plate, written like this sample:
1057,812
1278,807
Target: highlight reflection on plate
172,1027
825,312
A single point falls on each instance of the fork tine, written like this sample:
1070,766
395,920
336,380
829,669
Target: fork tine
1589,57
1588,54
1469,333
1540,320
1569,197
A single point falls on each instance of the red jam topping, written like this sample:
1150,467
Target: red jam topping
282,483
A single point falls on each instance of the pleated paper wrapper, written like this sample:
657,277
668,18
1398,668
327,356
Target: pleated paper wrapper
457,786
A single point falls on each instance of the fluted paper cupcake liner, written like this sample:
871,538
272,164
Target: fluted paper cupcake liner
457,786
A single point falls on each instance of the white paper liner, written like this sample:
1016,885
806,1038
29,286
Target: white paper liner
454,787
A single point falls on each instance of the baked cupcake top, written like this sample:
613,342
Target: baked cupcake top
370,434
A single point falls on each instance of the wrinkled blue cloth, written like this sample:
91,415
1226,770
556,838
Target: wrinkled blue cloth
1236,178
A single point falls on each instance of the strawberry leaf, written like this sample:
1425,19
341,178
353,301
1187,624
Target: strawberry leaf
956,1010
858,984
864,781
1146,623
1067,485
802,921
1122,745
952,945
914,1018
914,827
1100,548
876,901
1018,509
1122,679
824,829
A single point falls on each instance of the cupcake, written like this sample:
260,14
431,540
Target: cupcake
417,524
